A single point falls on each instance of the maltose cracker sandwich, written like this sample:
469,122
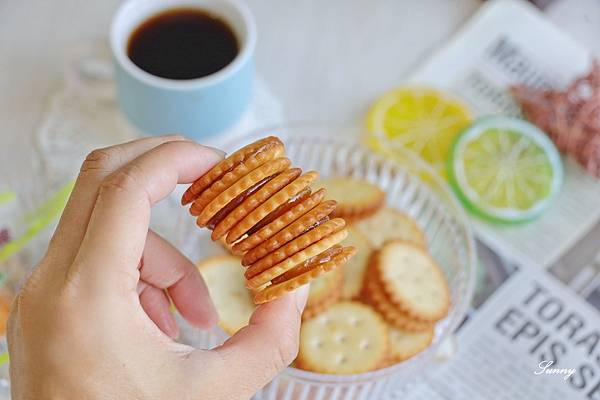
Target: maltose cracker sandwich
254,194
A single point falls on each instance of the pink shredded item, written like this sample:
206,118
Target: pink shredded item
571,118
4,236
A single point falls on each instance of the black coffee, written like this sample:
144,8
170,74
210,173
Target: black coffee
183,43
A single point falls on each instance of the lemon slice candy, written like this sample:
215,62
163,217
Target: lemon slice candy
420,119
505,169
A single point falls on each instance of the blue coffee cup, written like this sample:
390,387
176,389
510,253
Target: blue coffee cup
196,108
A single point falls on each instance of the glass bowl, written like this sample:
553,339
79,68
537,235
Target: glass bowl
411,186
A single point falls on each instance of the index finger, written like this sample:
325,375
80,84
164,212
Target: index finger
97,166
117,230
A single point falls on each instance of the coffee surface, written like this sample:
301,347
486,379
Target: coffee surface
182,43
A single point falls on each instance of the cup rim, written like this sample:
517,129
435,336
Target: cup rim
246,51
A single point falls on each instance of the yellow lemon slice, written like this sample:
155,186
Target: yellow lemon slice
423,120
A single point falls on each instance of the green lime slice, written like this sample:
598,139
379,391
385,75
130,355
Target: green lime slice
504,169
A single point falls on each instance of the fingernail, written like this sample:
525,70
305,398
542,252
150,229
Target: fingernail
301,297
217,151
171,327
211,319
175,136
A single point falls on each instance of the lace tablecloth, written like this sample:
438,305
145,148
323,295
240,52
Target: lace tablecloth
83,115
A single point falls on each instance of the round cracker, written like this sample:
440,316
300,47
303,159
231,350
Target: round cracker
294,246
311,312
270,205
249,157
354,270
241,185
324,291
357,198
278,269
255,200
405,344
348,338
323,287
280,223
373,294
412,280
389,224
272,292
226,285
290,232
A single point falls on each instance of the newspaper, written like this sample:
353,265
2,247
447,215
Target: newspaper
534,339
509,42
534,328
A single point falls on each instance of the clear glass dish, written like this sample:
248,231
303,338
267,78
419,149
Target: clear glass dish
411,186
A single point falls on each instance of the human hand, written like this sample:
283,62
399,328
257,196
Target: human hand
93,320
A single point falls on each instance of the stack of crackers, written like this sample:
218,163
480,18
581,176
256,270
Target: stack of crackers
379,309
265,210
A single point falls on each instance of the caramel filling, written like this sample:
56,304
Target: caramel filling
259,266
315,224
246,157
254,240
259,149
309,264
279,211
233,204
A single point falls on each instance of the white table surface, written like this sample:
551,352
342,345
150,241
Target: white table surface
325,60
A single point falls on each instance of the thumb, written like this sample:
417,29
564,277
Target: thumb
258,352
